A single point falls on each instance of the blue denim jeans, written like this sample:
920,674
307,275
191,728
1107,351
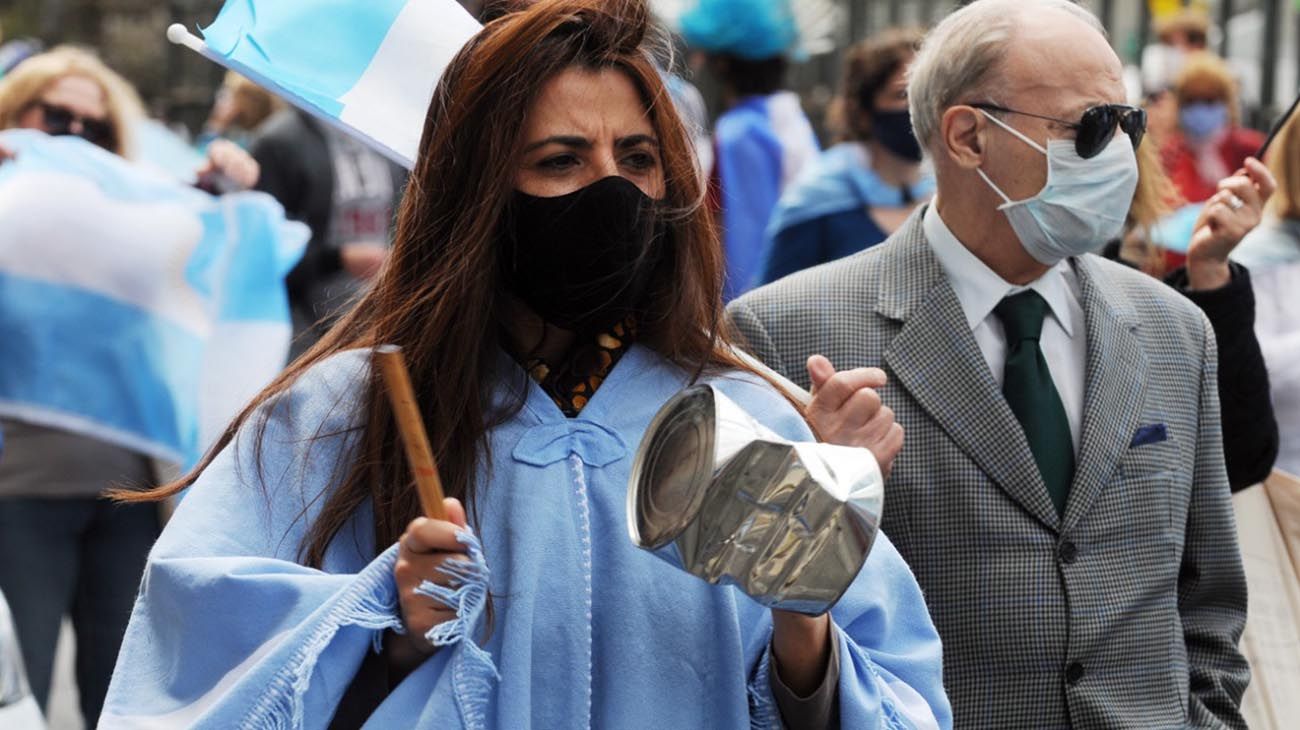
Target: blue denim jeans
81,557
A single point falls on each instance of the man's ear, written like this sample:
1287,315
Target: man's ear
962,132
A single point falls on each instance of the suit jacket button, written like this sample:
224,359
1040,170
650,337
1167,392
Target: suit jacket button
1073,673
1068,552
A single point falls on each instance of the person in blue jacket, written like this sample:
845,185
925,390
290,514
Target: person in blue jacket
862,189
763,140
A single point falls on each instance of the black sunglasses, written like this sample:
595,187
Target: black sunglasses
59,119
1096,127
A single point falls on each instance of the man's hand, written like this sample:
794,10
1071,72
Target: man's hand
1227,217
5,154
846,410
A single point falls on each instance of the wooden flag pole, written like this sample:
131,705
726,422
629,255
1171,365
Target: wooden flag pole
410,426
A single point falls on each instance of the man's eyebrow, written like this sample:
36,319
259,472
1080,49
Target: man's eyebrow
1076,112
565,140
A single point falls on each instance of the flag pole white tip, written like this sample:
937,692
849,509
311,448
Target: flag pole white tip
176,33
179,35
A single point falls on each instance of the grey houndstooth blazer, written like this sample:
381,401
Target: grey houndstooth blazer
1124,613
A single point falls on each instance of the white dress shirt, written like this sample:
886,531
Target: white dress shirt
1064,340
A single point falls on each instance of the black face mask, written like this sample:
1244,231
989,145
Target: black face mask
585,261
893,129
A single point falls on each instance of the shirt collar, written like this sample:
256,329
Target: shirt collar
979,288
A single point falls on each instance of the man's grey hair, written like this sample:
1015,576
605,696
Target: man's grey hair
960,58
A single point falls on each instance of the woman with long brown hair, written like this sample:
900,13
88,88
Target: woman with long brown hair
554,282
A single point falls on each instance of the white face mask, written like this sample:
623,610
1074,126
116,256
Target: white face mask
1084,203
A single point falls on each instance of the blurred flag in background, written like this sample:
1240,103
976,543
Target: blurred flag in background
133,308
367,66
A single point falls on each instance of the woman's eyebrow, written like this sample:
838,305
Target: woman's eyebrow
635,140
565,140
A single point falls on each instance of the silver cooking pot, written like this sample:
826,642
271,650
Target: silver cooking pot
717,494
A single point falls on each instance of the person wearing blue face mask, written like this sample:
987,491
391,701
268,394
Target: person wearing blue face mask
1210,144
1062,495
862,189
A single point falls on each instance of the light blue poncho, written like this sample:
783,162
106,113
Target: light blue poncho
589,631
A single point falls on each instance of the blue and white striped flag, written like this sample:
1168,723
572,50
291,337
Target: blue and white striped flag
367,66
135,309
1174,232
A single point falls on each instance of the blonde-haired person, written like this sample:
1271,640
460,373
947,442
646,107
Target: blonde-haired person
70,91
240,108
1223,291
1210,143
1272,254
64,549
1187,30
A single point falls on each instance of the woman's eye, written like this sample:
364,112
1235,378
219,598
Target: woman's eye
559,162
640,161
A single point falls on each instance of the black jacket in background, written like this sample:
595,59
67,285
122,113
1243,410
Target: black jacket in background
298,171
1250,439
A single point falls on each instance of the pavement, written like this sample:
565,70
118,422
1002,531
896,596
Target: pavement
64,713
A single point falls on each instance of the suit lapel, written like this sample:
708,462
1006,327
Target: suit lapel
936,359
1114,391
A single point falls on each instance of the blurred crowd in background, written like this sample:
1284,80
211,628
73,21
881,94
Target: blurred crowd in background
802,129
1212,76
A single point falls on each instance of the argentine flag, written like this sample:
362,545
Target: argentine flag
1174,231
135,309
366,66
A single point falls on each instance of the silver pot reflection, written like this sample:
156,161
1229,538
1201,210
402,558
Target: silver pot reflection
717,494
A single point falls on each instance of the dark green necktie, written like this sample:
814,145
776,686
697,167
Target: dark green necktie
1027,385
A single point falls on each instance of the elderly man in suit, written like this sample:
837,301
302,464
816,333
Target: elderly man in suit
1062,497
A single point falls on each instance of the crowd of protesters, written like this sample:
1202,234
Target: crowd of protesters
1063,431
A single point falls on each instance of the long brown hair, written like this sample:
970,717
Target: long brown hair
439,295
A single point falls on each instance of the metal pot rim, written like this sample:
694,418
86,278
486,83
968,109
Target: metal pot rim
701,476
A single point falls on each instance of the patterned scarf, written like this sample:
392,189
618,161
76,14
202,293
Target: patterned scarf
573,381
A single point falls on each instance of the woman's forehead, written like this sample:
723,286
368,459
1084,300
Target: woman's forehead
596,104
78,93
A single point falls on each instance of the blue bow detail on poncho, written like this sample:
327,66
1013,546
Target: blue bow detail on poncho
550,443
